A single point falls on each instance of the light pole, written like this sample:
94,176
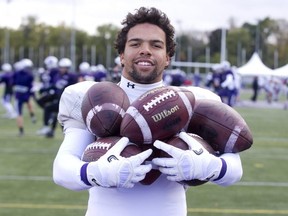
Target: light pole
178,57
73,37
223,45
108,49
7,38
257,37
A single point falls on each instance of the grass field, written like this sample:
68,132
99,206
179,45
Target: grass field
26,187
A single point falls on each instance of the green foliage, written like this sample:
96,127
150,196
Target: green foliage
26,172
238,39
37,40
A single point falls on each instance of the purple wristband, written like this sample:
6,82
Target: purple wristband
83,174
223,170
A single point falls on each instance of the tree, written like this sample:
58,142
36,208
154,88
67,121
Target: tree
280,37
238,40
37,40
215,44
105,37
260,34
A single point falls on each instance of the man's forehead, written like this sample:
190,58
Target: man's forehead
145,32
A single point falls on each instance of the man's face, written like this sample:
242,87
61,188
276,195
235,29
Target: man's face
63,70
145,55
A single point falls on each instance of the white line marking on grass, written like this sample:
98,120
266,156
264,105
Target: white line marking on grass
41,206
272,184
49,178
239,211
26,178
194,210
26,151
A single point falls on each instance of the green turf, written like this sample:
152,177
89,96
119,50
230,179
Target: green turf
26,187
32,156
265,163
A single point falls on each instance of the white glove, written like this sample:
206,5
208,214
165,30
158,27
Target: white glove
113,170
195,163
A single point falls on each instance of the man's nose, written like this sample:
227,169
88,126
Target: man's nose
145,49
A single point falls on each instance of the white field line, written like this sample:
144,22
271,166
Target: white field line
194,210
49,178
25,178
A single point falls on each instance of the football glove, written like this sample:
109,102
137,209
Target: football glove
195,163
113,170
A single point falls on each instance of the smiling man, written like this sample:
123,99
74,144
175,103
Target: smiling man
145,45
144,58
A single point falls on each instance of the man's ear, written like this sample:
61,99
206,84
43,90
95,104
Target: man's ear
168,59
122,61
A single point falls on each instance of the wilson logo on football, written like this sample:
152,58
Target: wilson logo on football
159,99
165,113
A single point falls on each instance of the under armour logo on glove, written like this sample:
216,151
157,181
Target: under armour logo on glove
130,85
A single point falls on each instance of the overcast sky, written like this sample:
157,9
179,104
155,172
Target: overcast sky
184,14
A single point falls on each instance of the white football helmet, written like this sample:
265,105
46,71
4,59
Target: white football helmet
84,67
26,63
50,62
17,66
65,63
117,61
101,67
6,67
225,65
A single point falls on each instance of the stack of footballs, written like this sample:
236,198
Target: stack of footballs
159,114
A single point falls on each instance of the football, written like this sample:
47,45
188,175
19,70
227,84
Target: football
98,148
158,114
103,108
221,126
179,143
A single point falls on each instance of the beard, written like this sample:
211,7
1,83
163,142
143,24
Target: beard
145,78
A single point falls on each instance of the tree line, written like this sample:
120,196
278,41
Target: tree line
36,40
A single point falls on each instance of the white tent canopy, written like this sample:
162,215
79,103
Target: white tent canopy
255,67
281,72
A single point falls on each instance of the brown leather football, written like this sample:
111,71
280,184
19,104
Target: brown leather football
221,126
103,108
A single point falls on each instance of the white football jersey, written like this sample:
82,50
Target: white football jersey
162,198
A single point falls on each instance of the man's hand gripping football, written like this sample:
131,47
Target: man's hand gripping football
195,163
113,170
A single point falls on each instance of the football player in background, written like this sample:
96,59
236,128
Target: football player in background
63,78
85,72
145,45
47,93
22,86
117,69
100,73
227,90
7,79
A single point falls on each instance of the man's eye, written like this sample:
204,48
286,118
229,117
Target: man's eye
134,44
158,45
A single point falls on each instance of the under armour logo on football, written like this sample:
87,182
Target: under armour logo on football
130,85
111,158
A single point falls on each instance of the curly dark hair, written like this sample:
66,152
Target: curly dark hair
147,15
